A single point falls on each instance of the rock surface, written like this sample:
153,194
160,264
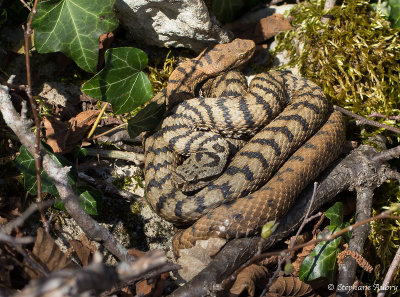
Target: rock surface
177,23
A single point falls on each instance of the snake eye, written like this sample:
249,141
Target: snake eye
242,55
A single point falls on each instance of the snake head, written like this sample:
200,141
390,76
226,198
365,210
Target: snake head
240,51
229,56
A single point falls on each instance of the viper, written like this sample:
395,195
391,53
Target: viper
235,158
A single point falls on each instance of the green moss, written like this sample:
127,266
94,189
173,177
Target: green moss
354,57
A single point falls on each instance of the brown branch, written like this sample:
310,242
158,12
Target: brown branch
364,121
36,153
379,115
20,126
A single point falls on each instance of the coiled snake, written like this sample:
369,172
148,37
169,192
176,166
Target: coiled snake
287,122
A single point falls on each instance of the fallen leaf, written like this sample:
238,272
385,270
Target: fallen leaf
83,252
47,254
64,136
247,279
195,259
289,286
153,289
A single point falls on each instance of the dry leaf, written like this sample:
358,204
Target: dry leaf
195,259
154,289
247,279
300,257
62,136
83,252
289,286
47,254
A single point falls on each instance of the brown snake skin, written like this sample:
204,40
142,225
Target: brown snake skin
240,201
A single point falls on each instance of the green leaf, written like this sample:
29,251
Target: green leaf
321,262
226,10
26,164
89,198
146,119
394,16
121,82
74,27
335,214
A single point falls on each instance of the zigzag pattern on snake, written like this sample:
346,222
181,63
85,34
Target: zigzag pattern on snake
238,206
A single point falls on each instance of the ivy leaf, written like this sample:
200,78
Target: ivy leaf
146,119
26,164
89,198
74,27
335,214
226,10
394,16
321,262
121,82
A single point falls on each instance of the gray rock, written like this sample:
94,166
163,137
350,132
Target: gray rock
177,23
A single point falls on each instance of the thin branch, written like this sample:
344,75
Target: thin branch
136,158
394,266
26,5
379,115
36,155
109,131
387,155
22,218
364,121
12,241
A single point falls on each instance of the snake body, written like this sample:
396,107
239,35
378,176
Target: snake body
239,201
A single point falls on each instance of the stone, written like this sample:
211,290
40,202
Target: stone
176,23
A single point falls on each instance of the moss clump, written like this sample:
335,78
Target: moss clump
354,57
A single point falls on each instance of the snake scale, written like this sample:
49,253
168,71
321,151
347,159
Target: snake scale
291,135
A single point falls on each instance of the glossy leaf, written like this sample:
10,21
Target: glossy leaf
146,119
335,214
74,27
122,81
26,164
321,262
89,198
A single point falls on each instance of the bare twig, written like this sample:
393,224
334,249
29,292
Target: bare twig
136,158
26,5
109,131
394,266
14,242
379,115
36,154
387,155
361,120
22,218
